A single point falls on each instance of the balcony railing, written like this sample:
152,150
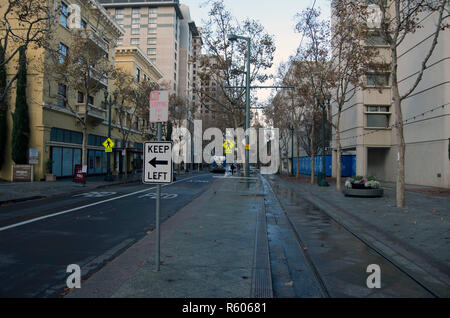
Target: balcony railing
97,75
94,113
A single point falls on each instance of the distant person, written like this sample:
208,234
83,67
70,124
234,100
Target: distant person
232,169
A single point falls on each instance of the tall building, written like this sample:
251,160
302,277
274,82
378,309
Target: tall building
367,119
162,30
56,106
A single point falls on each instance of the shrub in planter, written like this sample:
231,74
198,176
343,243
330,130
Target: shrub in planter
49,176
360,182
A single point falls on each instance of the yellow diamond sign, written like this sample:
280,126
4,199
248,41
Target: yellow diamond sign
108,144
228,145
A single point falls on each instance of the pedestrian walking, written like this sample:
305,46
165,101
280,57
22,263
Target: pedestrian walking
232,169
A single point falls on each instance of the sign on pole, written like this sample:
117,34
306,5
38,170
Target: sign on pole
159,106
158,162
108,144
33,156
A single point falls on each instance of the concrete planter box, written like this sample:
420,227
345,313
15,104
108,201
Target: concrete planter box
366,193
50,177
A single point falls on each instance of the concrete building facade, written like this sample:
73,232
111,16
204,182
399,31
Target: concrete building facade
367,119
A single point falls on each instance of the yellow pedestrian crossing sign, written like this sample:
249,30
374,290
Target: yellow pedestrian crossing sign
108,144
228,145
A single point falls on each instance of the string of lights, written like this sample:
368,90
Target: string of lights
408,121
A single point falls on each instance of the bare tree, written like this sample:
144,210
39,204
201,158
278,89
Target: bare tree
23,24
313,67
351,59
225,61
131,107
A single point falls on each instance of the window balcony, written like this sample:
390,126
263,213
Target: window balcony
98,76
95,115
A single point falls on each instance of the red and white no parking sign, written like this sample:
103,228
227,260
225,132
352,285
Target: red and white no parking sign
159,106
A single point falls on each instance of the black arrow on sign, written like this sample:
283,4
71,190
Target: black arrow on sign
155,162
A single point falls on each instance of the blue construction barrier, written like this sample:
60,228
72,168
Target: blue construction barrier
348,165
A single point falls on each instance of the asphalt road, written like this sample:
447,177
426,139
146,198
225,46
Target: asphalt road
39,239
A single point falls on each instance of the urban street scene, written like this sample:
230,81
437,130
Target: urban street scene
224,153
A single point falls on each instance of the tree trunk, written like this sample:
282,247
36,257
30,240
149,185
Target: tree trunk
338,156
125,160
312,152
298,158
398,128
84,147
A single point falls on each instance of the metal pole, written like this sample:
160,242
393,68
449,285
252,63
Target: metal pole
247,111
108,157
292,151
158,201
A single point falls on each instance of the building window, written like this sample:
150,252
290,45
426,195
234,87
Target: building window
151,41
153,60
152,21
62,95
64,14
134,41
151,51
83,24
135,31
120,41
138,75
378,116
119,13
174,86
80,97
91,100
376,79
151,30
175,76
376,39
62,53
135,21
135,12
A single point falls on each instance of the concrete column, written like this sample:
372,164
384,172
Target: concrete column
361,160
333,163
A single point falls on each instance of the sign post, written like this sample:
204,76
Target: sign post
158,157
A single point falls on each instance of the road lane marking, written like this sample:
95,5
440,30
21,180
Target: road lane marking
230,177
95,194
164,196
86,206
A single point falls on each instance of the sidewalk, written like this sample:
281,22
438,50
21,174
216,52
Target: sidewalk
209,249
416,237
11,192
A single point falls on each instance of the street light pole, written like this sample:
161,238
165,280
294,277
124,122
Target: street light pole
292,150
247,111
108,176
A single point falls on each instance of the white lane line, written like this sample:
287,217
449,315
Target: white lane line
84,206
230,177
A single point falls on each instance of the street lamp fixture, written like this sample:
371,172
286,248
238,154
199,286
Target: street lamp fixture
323,102
232,38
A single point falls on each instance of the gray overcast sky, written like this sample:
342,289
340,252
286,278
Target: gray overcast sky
277,18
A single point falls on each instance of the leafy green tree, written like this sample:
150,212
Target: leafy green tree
21,121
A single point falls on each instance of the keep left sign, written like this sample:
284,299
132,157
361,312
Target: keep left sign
158,162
